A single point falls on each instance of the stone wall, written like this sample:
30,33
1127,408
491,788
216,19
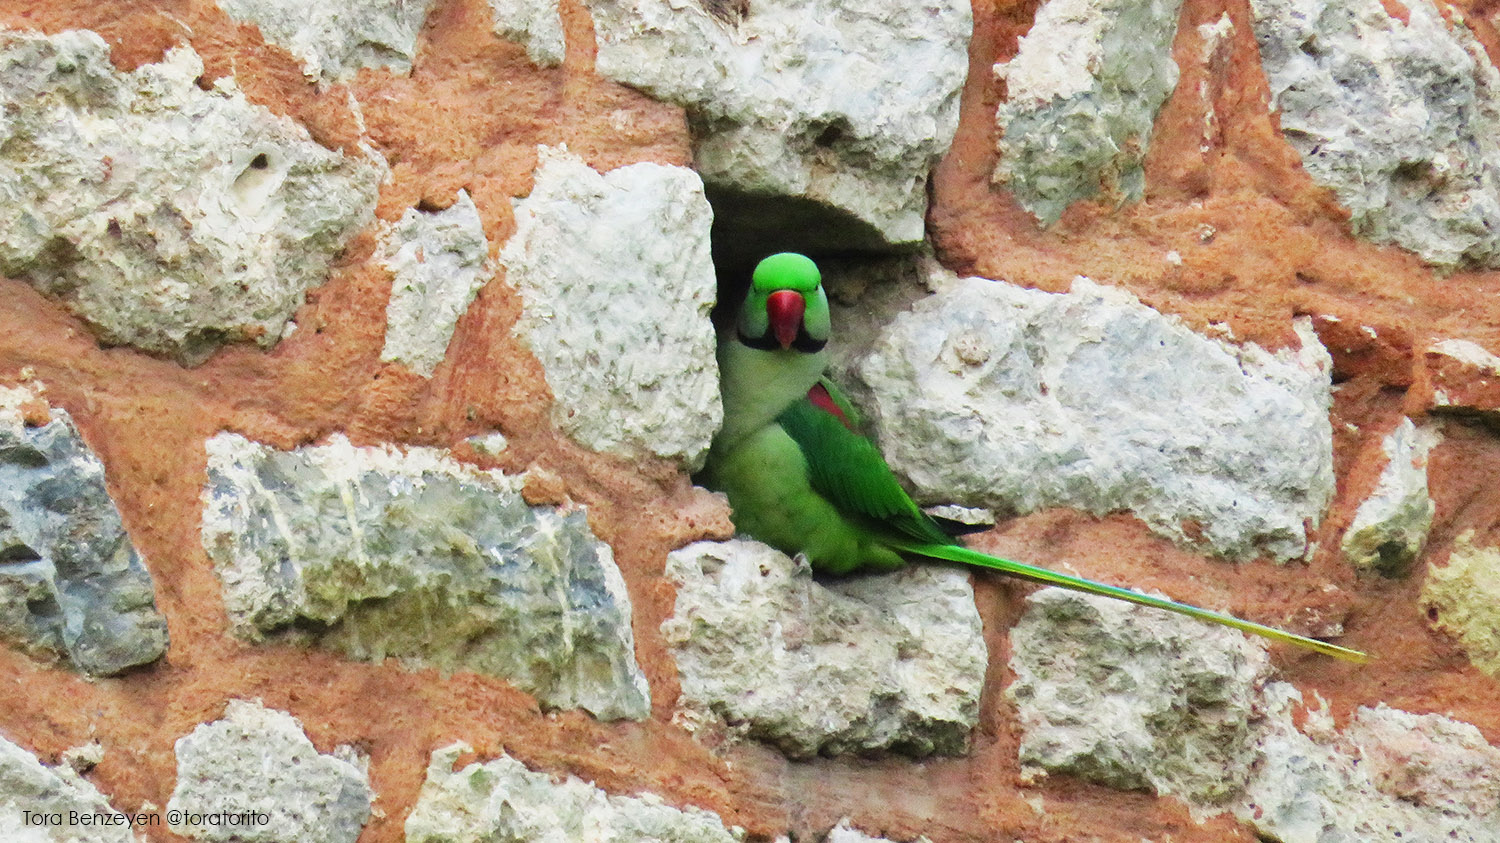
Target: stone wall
355,358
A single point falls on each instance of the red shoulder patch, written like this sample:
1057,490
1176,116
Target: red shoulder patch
820,398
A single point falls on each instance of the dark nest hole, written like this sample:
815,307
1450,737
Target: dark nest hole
748,227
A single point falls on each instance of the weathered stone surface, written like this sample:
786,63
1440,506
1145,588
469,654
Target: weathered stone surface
989,395
963,515
1134,698
439,260
257,760
843,105
1390,528
27,785
1084,88
71,583
1427,760
335,39
502,800
535,24
1390,777
168,217
1463,378
376,553
1401,120
617,282
864,295
1463,599
845,833
893,662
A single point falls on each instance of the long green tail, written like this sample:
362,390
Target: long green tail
961,554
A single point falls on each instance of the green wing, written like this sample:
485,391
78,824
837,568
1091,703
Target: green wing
847,469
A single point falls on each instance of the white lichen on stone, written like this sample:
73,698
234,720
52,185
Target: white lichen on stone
535,24
377,553
1083,91
28,785
168,217
439,260
1463,599
847,105
892,662
617,282
1138,699
1401,120
1390,527
336,38
258,760
503,800
989,395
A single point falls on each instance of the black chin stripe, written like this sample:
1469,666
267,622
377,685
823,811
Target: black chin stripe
768,342
765,342
806,344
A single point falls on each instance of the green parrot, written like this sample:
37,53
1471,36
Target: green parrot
800,478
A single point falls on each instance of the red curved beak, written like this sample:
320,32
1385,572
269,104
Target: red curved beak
785,307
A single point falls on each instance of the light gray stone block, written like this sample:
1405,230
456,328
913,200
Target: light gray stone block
1134,698
1400,120
257,765
843,105
1389,777
893,662
1083,91
167,217
439,261
1137,699
335,39
535,24
1390,527
502,800
37,802
617,282
989,395
377,553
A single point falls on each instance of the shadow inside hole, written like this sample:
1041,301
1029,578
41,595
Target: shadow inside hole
748,227
258,182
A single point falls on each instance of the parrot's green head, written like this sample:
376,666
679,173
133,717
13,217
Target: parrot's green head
786,307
